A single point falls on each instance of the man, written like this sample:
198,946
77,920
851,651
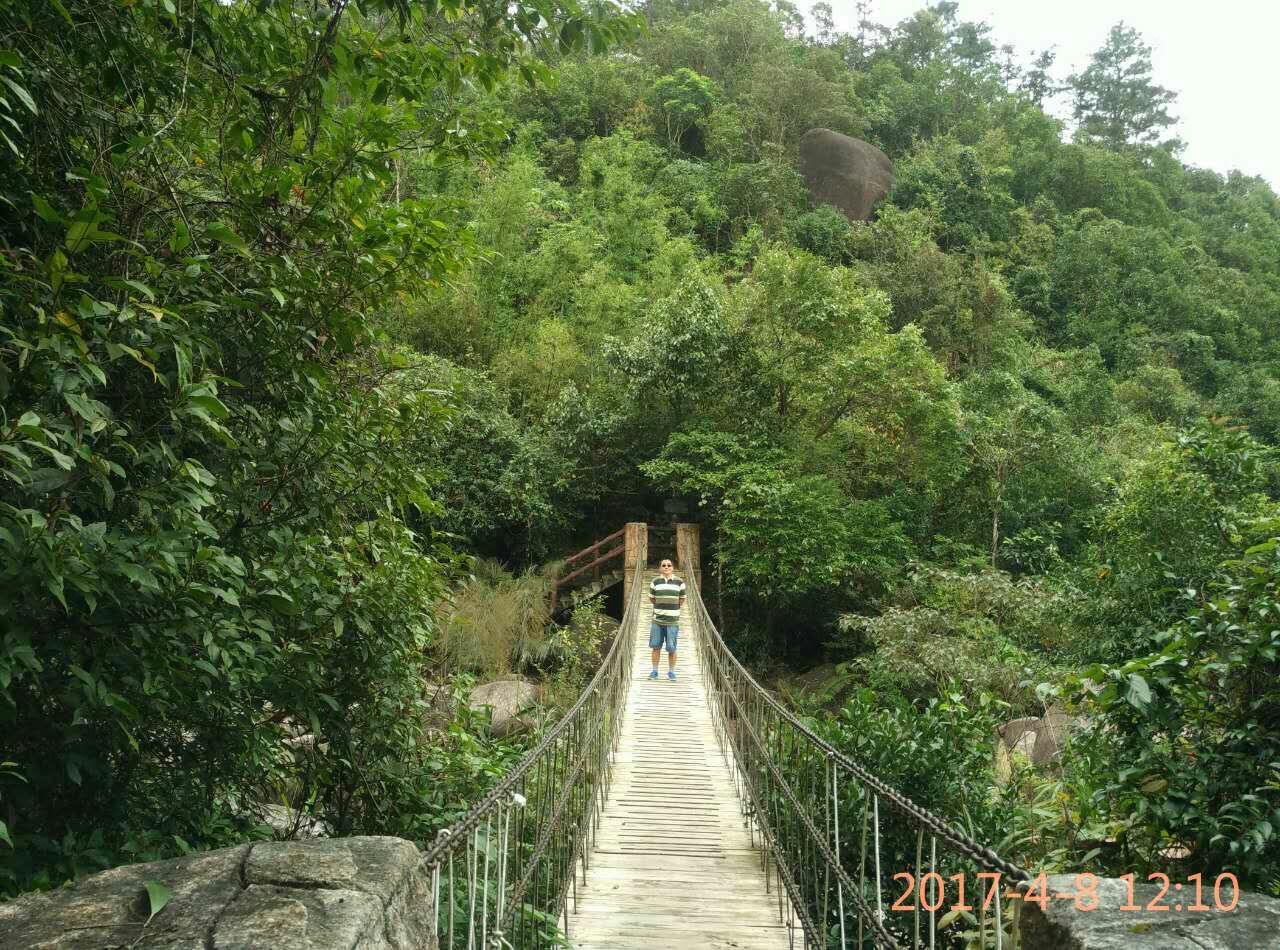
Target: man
666,593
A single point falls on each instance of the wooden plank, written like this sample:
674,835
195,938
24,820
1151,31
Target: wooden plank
673,864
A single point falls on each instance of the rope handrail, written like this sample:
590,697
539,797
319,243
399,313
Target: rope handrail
790,781
502,874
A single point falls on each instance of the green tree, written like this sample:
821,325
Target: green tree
1037,82
1115,100
216,515
799,314
684,99
1186,748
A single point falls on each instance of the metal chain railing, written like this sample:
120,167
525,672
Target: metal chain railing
851,873
503,875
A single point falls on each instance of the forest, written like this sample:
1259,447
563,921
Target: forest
327,325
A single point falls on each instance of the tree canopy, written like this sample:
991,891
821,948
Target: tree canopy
318,318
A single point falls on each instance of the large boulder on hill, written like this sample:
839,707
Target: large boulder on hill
509,702
846,172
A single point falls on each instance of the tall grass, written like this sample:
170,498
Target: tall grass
497,622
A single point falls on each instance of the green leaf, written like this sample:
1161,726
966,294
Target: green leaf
22,94
1155,785
4,834
157,896
44,480
221,232
62,10
45,210
1139,691
181,237
62,461
212,405
86,409
79,234
183,359
140,575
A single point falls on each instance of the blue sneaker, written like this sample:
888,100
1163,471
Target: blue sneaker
671,674
653,675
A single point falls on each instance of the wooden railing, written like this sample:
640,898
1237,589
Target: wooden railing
594,565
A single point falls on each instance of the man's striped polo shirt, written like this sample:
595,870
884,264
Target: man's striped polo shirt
666,594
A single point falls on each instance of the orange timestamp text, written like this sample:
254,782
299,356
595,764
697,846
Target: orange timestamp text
931,891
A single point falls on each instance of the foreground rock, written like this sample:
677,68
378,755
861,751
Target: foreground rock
344,894
1253,925
846,172
510,702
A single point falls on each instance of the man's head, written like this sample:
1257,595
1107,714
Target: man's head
666,567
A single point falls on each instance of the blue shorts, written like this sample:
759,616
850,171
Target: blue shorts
663,631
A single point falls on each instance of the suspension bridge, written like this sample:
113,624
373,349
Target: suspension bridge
701,814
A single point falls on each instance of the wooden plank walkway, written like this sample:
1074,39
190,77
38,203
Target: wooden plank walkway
673,866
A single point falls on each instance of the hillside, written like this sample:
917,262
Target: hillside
307,308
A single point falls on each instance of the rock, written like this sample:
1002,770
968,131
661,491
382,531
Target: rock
1041,740
370,893
509,701
825,683
289,821
292,919
1051,736
846,172
110,909
1253,925
1015,729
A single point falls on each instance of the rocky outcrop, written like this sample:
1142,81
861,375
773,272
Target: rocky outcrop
846,172
288,822
1039,739
510,702
1253,925
344,894
824,683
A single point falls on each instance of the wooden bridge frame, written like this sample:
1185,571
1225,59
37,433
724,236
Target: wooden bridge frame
633,550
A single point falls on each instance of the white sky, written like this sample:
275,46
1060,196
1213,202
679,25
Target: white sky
1220,58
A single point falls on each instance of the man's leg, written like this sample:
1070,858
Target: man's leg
671,660
655,647
673,632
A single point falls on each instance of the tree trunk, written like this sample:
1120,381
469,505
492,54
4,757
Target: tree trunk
995,525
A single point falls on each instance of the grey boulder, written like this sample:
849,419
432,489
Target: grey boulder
846,172
510,702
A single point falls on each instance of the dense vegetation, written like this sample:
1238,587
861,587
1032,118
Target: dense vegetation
305,305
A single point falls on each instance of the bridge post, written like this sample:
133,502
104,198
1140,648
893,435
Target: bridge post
689,549
636,550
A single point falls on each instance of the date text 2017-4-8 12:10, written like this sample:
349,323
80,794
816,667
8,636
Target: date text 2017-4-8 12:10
932,892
